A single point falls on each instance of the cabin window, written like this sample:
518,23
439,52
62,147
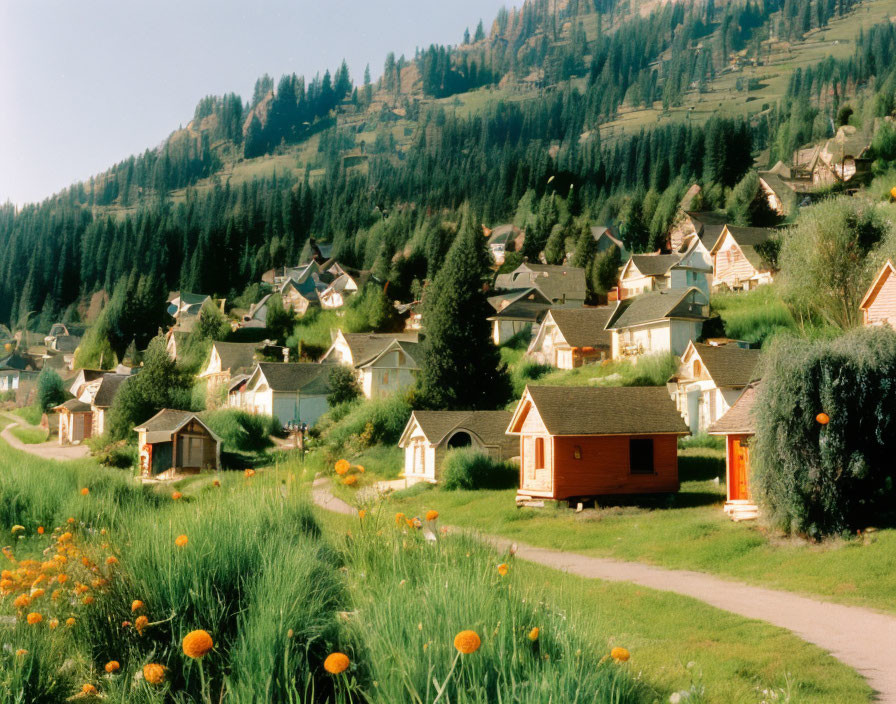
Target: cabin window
577,451
385,377
539,453
640,455
697,368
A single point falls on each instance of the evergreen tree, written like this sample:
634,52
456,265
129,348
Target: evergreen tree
50,389
586,247
461,367
555,249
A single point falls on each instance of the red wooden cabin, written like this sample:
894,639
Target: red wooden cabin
578,442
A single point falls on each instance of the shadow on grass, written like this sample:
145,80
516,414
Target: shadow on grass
701,468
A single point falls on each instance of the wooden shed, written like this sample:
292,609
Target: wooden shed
579,442
75,421
739,427
879,304
176,442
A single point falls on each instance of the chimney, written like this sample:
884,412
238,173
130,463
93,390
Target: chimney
286,355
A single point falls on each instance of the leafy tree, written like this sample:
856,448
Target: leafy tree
461,367
50,389
344,385
605,270
555,249
158,385
280,321
381,313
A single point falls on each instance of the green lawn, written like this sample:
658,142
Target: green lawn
690,532
30,436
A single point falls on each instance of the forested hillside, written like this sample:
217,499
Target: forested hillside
504,121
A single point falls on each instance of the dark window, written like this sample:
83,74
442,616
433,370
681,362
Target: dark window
640,455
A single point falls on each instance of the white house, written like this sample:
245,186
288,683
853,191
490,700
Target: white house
570,337
737,263
662,321
709,380
559,284
515,312
102,397
430,435
336,294
227,359
690,266
384,362
288,392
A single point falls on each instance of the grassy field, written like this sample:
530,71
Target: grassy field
278,589
30,436
688,532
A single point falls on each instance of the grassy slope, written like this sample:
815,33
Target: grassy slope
30,436
692,533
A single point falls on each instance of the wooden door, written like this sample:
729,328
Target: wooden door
739,473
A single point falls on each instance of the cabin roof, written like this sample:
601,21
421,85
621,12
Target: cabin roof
164,424
883,274
236,355
555,282
515,304
74,405
108,388
652,306
729,365
489,426
738,420
655,264
582,410
365,347
584,327
290,377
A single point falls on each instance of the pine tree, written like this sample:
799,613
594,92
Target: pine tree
586,248
461,367
555,249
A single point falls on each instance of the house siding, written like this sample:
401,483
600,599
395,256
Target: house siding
882,309
732,268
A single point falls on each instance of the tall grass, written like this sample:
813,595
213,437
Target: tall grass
30,436
753,315
648,370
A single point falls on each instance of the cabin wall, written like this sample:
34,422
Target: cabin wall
730,265
682,332
882,310
638,283
391,373
644,339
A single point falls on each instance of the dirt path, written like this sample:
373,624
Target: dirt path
50,450
863,639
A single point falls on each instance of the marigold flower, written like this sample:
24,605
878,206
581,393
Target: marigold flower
85,491
53,623
181,540
823,418
467,642
141,623
112,666
37,593
70,520
250,473
533,634
197,644
55,594
87,600
620,654
136,605
217,482
21,652
361,514
503,569
342,467
88,689
34,618
154,673
336,663
40,530
350,480
398,518
111,560
432,515
70,621
125,624
20,602
62,578
66,537
176,495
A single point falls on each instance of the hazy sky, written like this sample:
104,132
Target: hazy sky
86,83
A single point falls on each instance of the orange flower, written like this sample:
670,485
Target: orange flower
620,654
62,578
20,602
197,644
37,593
181,540
40,530
87,600
432,515
361,514
217,482
249,473
70,520
350,480
70,621
176,495
533,634
154,673
823,418
53,623
398,518
342,467
34,618
88,689
136,605
65,537
141,623
125,624
111,560
503,569
112,666
467,642
360,468
21,652
336,663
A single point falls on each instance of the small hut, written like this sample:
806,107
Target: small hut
176,442
75,421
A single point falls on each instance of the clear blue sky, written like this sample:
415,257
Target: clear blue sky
86,83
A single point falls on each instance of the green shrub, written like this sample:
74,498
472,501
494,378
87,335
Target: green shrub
241,431
822,479
122,455
374,422
344,386
50,389
470,468
715,442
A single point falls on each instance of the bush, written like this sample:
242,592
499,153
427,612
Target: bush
820,479
344,385
121,454
469,468
241,431
374,422
50,389
702,440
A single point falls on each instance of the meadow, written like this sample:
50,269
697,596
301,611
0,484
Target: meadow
231,588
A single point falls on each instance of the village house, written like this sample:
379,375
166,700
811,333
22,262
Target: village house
663,321
570,337
739,426
85,383
559,284
75,421
778,189
185,307
690,266
878,306
384,363
102,398
337,293
581,442
227,359
516,312
430,435
300,296
689,221
173,443
15,371
503,239
290,393
842,159
710,378
257,317
737,263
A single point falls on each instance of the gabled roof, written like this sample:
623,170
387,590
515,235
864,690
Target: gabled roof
739,420
655,305
164,424
886,271
489,426
605,410
108,388
237,380
728,365
654,264
236,355
501,234
365,347
292,377
747,238
519,304
74,405
16,361
555,282
584,327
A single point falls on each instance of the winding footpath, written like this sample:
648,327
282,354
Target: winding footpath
49,450
863,639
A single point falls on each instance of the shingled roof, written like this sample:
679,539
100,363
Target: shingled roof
654,305
738,420
519,304
236,355
747,239
729,365
626,410
488,426
293,377
366,347
74,405
584,327
164,424
555,282
655,264
108,388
